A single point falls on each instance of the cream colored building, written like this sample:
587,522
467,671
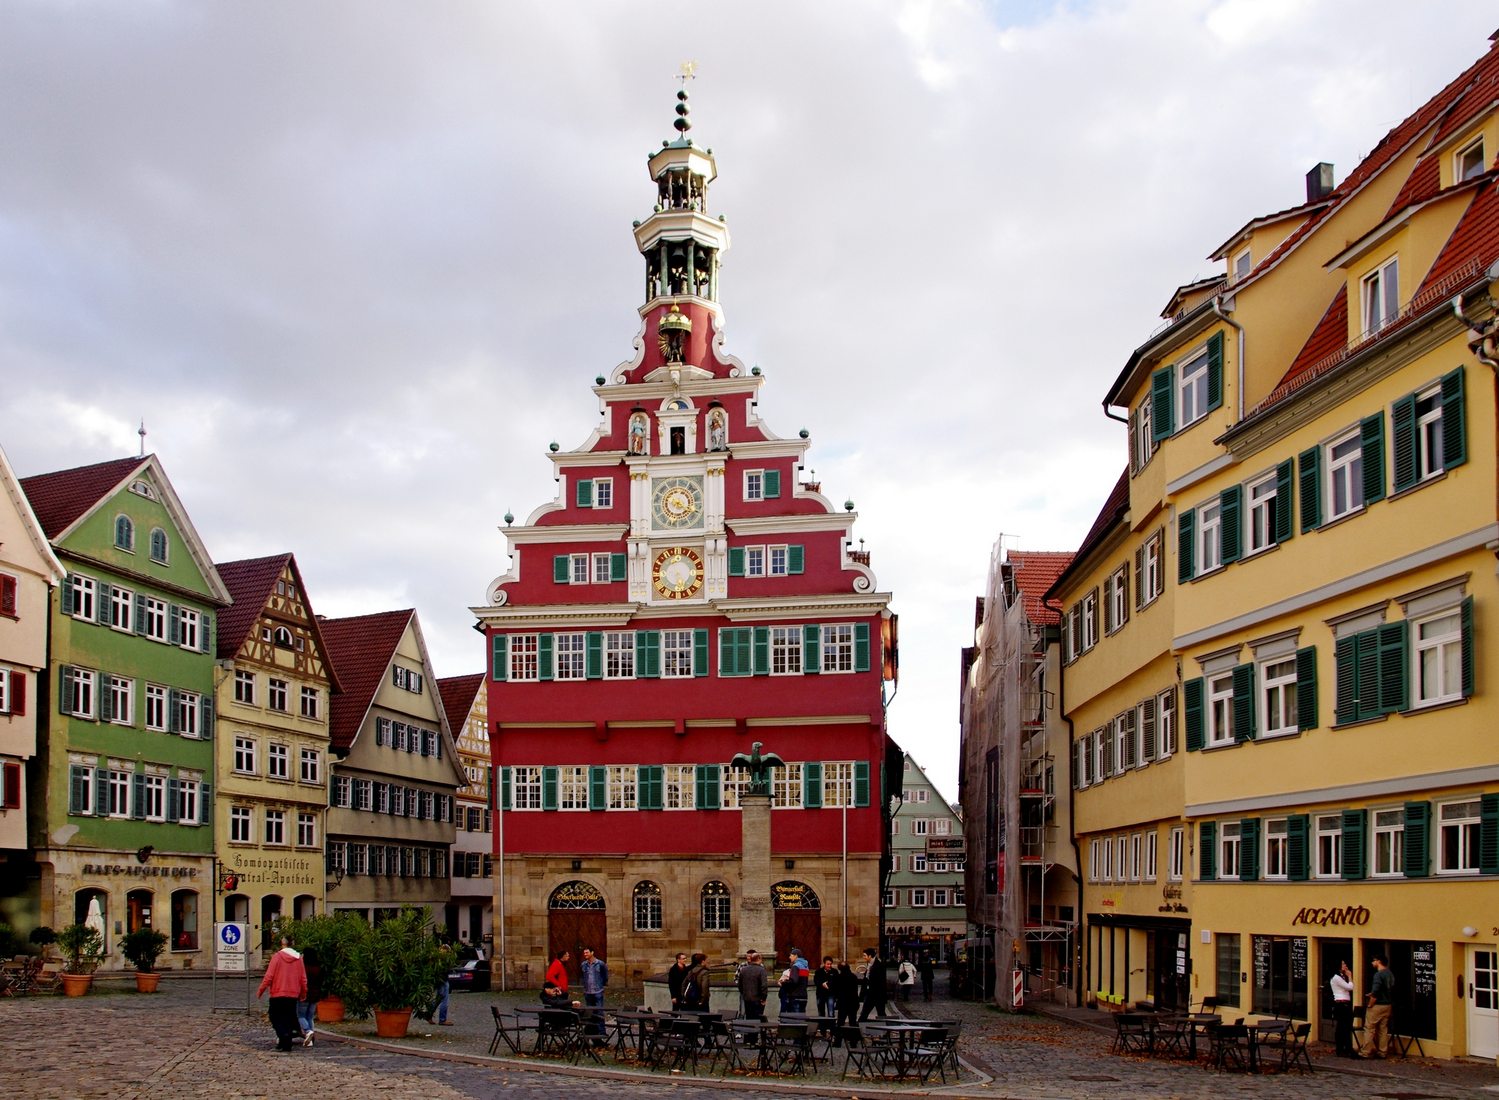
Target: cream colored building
471,909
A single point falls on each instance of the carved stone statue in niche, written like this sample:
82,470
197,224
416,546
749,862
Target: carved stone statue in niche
639,434
718,430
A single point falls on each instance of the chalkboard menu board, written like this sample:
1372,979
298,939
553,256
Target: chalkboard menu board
1424,969
1414,963
1262,962
1298,960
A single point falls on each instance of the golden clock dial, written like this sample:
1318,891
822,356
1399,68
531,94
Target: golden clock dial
677,573
678,502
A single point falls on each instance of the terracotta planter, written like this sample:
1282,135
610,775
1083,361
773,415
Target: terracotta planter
392,1023
330,1010
76,985
146,982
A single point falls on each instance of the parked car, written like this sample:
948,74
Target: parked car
473,974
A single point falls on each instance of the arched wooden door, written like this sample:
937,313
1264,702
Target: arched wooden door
576,918
798,916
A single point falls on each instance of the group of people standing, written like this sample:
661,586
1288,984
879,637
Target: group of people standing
1377,1004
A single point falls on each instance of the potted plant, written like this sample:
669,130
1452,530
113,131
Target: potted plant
143,947
82,946
399,966
327,941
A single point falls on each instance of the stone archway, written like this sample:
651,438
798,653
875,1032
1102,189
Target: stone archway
576,918
798,916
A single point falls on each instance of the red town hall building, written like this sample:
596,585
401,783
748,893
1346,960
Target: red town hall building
686,595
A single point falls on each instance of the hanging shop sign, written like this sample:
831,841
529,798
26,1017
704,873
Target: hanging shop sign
950,846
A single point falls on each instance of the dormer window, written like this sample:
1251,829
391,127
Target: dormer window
1381,295
283,637
1241,265
1469,161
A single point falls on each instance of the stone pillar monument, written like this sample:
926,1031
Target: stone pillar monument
756,917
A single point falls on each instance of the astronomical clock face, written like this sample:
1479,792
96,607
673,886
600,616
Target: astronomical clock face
677,573
677,503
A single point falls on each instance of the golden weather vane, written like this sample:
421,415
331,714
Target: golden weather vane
689,72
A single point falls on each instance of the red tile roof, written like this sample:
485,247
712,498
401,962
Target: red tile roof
1035,571
1329,336
250,583
1475,240
60,498
458,695
360,649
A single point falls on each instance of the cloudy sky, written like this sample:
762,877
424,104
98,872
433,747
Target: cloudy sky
356,264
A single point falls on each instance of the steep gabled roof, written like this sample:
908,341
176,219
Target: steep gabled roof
47,566
251,582
458,695
1035,571
360,649
60,499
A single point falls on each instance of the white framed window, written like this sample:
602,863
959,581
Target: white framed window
918,897
580,566
156,616
1209,538
154,798
1099,770
1241,265
1389,843
1274,865
838,784
1262,512
754,484
572,788
1220,709
1345,475
622,791
939,898
1278,697
678,787
785,650
837,647
159,546
1165,722
121,700
156,707
276,694
1121,858
1090,620
786,787
892,899
918,862
754,561
189,708
1150,577
311,766
124,534
81,695
275,826
919,826
1436,667
1095,862
244,687
310,707
619,655
1150,844
1144,445
278,761
189,622
306,830
1116,597
777,561
1192,389
676,654
1430,454
1458,826
1106,848
1381,295
523,657
1176,856
240,825
525,788
600,568
1469,161
187,802
244,755
1136,856
341,788
1328,846
568,656
603,492
122,609
941,826
84,591
364,794
1228,850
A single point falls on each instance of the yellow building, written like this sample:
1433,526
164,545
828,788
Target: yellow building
1314,432
271,758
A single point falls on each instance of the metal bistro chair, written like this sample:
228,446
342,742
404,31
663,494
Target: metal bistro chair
928,1054
787,1048
676,1039
1132,1032
507,1029
1359,1012
1231,1046
1294,1054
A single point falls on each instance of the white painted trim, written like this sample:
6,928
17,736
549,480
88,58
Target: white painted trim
1351,792
1202,473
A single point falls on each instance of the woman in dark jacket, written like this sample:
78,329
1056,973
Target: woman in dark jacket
846,996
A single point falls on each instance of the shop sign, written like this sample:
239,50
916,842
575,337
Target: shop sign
945,845
921,930
1348,914
793,895
139,870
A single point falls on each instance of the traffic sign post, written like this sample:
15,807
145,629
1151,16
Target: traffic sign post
231,953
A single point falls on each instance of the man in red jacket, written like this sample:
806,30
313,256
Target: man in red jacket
286,978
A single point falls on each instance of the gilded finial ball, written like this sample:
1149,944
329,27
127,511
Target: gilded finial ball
509,518
848,506
553,447
804,433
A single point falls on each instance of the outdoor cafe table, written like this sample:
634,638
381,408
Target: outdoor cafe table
1198,1023
1263,1029
751,1030
634,1028
907,1037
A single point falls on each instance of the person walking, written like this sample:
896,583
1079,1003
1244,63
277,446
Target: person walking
905,979
1377,1021
822,983
928,974
557,972
286,978
1341,985
794,985
875,977
676,974
595,977
754,986
444,990
307,1008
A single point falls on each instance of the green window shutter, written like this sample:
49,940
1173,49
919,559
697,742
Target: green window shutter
105,704
1345,661
861,647
585,492
545,661
811,648
1467,643
140,615
1403,439
796,559
648,784
1371,442
101,791
598,787
762,651
1186,524
205,804
772,484
499,659
174,625
67,595
1454,425
1249,849
648,654
1207,851
812,785
1394,681
708,787
1215,370
1296,848
861,783
1306,688
1243,704
734,651
1192,704
1355,854
616,567
1281,522
138,796
205,717
700,652
1417,839
1162,405
1231,524
174,725
78,789
1310,464
174,799
102,601
562,568
65,696
593,655
504,788
1488,834
736,561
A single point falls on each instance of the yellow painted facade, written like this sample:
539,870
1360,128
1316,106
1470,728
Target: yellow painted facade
1324,468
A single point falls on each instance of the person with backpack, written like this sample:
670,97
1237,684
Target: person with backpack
754,986
696,985
905,978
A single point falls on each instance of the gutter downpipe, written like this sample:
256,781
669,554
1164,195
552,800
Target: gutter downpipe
1226,319
1077,855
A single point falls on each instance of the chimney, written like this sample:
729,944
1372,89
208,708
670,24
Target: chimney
1319,182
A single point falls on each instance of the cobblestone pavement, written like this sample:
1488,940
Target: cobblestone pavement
118,1044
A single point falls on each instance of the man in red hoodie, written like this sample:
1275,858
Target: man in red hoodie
286,978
